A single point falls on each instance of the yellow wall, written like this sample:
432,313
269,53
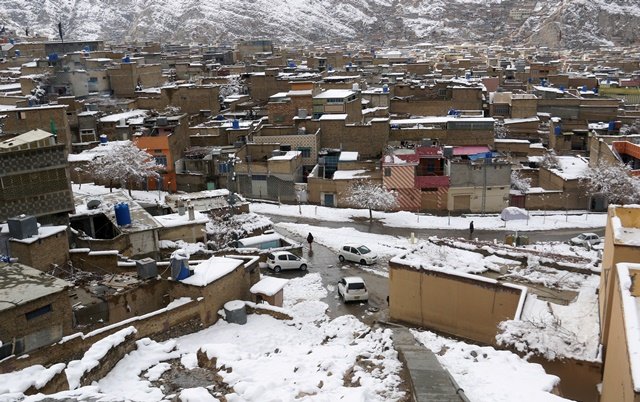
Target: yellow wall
456,305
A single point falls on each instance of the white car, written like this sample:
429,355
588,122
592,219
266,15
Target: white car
357,253
586,239
279,260
353,288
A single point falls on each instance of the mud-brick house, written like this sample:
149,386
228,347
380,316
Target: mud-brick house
218,280
34,309
418,177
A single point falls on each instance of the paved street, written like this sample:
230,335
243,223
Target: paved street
325,261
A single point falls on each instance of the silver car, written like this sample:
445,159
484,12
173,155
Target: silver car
279,260
357,253
353,288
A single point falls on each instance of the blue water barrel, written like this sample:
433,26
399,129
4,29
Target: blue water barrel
103,139
53,57
235,124
126,59
123,216
17,53
385,89
557,130
612,125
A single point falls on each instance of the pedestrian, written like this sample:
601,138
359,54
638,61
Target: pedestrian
470,230
310,241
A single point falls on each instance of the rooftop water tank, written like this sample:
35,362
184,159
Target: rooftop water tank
147,268
179,264
22,226
123,215
557,130
235,124
235,312
103,139
126,59
385,89
612,125
17,53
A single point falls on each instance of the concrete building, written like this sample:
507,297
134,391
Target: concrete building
618,297
338,102
35,178
479,181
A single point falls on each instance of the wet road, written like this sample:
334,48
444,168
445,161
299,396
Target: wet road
325,261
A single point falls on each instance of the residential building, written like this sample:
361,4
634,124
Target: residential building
268,171
35,309
35,178
165,138
479,180
418,177
338,102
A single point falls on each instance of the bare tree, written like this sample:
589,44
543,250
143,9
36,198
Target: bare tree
371,196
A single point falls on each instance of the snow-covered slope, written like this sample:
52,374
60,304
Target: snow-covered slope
565,23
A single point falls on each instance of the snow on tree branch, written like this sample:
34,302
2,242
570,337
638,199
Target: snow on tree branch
125,164
550,160
520,183
371,196
614,182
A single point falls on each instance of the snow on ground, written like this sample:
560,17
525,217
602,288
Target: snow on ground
148,197
410,220
490,375
310,357
382,245
557,331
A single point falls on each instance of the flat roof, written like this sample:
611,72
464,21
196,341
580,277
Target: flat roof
26,138
21,284
335,93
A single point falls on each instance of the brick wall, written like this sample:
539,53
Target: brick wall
42,253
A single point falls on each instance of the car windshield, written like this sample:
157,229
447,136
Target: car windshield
364,250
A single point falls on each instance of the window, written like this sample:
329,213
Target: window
306,152
160,160
38,312
387,172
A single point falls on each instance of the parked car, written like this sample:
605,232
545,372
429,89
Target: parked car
357,253
586,239
279,260
353,288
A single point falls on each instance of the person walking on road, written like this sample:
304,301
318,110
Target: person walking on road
470,230
310,241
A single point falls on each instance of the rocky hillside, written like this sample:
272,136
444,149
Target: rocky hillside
553,23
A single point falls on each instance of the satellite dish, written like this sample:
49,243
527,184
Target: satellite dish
93,204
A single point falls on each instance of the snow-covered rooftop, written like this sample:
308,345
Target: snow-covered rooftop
211,270
269,286
347,156
114,118
335,94
289,155
349,174
571,167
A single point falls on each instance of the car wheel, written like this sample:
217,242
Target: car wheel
341,258
303,267
363,262
277,268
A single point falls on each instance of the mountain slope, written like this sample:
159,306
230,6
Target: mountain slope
564,23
